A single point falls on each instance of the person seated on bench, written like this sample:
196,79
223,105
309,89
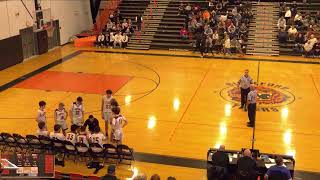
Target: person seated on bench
100,40
308,46
124,40
278,171
117,40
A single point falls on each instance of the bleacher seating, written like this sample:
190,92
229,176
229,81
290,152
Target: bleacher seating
130,9
287,48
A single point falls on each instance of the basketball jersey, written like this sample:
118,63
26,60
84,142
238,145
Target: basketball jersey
77,112
107,103
61,115
117,122
82,138
41,115
58,136
71,137
97,138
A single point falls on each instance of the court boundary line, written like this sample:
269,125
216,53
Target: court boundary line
224,58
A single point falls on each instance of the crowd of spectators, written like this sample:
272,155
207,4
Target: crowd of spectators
300,28
116,32
217,28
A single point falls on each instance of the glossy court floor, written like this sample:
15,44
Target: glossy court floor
177,105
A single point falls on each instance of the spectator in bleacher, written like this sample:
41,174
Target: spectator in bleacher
155,177
57,133
207,30
42,131
235,46
206,16
124,24
294,8
215,37
317,16
92,123
226,44
246,167
184,33
112,18
282,36
278,170
111,174
308,46
139,21
208,45
181,10
243,29
299,42
282,8
111,41
281,23
232,30
317,48
109,25
117,40
107,39
297,19
292,33
202,45
125,40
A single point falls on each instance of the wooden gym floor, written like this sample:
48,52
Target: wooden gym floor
177,104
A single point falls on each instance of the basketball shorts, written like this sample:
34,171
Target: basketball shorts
107,116
117,135
63,124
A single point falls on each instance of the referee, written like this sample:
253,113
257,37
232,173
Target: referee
244,84
252,105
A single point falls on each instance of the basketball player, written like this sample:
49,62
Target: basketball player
82,137
41,115
57,133
60,116
106,107
77,112
118,122
244,84
72,136
252,99
42,131
97,137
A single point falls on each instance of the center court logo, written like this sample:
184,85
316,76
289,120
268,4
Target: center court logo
271,96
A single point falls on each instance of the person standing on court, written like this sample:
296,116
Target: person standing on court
244,84
252,106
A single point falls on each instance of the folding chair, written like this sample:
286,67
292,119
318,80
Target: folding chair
59,151
96,151
82,150
34,143
22,142
9,140
110,152
46,143
70,149
125,153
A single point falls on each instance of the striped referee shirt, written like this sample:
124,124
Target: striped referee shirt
245,82
252,97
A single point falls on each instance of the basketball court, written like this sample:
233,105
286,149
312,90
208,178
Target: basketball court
178,105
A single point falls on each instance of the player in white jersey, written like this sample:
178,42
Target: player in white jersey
57,133
106,107
77,112
82,137
60,116
118,122
97,137
72,136
42,131
41,114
